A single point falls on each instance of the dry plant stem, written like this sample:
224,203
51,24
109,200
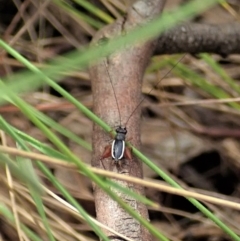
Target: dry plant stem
211,197
126,69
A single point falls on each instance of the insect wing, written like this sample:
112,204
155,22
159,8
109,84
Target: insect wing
118,148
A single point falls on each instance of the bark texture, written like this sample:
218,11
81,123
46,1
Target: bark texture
196,38
126,69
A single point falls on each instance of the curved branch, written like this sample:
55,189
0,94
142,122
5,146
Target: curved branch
196,38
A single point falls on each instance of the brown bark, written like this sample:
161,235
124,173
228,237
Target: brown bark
196,38
126,69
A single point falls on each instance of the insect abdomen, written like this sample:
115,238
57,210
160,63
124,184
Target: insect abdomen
118,148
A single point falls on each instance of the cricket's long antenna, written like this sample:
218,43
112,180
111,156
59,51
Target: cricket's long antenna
113,92
157,85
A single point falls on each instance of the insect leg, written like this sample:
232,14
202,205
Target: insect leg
106,154
128,153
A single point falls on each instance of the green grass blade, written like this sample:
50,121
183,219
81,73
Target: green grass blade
73,12
38,145
220,71
96,11
130,193
59,128
200,82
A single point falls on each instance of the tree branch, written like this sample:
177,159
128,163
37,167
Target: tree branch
126,69
196,38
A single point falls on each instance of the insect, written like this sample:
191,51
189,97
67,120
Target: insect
118,149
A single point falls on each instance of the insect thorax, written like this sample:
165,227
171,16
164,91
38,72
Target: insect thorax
121,133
